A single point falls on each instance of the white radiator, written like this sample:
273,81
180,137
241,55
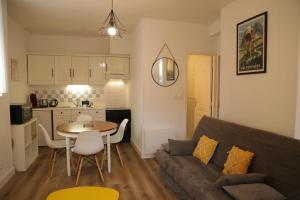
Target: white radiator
153,139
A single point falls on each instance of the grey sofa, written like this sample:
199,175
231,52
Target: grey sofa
275,155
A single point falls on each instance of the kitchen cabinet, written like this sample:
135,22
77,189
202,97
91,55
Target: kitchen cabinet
117,67
97,70
43,117
80,70
40,70
60,117
63,71
77,70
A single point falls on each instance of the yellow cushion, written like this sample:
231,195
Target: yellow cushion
84,193
205,149
237,161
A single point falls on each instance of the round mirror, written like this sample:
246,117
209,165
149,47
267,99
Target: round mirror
165,71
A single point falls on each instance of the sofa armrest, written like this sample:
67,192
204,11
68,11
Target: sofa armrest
181,147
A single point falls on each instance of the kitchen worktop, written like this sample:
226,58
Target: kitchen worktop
68,108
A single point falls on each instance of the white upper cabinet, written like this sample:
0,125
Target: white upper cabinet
80,70
97,70
77,70
63,71
117,67
40,70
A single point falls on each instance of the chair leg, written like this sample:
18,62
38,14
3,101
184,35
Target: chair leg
79,170
77,165
53,162
119,154
99,169
103,157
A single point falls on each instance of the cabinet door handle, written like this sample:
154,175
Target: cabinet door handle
70,73
106,67
90,73
73,73
52,71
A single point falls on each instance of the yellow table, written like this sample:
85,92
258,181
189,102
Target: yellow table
85,193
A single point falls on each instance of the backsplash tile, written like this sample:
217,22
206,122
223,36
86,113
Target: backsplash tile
64,94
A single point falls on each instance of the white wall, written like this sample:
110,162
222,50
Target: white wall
68,44
164,108
136,86
121,46
264,101
17,47
6,163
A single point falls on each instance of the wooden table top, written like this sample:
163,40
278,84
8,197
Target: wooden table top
78,127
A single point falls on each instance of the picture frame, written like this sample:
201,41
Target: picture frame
14,70
252,45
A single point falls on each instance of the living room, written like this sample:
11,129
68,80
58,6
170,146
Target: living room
264,96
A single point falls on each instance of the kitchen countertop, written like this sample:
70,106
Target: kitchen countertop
68,108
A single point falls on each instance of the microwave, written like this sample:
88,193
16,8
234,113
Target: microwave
19,114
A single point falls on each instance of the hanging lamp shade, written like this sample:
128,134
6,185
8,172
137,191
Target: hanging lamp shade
112,26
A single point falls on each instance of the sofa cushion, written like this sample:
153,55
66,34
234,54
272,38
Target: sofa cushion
181,147
236,179
205,149
257,191
195,178
166,147
237,161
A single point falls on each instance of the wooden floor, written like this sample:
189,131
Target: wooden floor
139,179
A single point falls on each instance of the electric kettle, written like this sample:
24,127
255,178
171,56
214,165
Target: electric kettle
53,102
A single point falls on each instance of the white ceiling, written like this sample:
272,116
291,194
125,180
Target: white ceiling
83,17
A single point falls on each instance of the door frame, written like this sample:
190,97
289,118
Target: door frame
215,65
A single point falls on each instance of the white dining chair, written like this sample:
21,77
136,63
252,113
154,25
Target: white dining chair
84,118
88,144
117,138
55,145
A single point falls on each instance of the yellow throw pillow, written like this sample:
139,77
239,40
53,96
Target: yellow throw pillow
237,161
205,149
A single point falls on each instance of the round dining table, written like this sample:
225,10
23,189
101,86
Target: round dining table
71,130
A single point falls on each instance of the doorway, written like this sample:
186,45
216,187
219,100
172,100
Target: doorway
202,89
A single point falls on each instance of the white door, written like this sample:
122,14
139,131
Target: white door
199,90
97,70
80,73
40,70
63,73
43,117
117,65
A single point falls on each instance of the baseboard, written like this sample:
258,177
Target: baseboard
139,151
136,148
7,176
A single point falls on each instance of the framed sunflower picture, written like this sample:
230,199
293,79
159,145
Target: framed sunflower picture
252,45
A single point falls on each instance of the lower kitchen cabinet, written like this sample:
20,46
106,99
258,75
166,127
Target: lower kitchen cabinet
51,118
43,117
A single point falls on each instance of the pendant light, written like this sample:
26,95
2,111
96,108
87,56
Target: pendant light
112,27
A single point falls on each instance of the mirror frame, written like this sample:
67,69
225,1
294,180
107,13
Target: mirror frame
175,80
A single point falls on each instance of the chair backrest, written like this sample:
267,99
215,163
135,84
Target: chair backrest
46,136
119,135
89,143
84,118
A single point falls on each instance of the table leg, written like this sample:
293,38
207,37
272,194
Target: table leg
108,153
68,155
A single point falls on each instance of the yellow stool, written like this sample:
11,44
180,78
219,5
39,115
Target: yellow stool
85,193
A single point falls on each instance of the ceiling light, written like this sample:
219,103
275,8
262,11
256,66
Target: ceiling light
112,27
